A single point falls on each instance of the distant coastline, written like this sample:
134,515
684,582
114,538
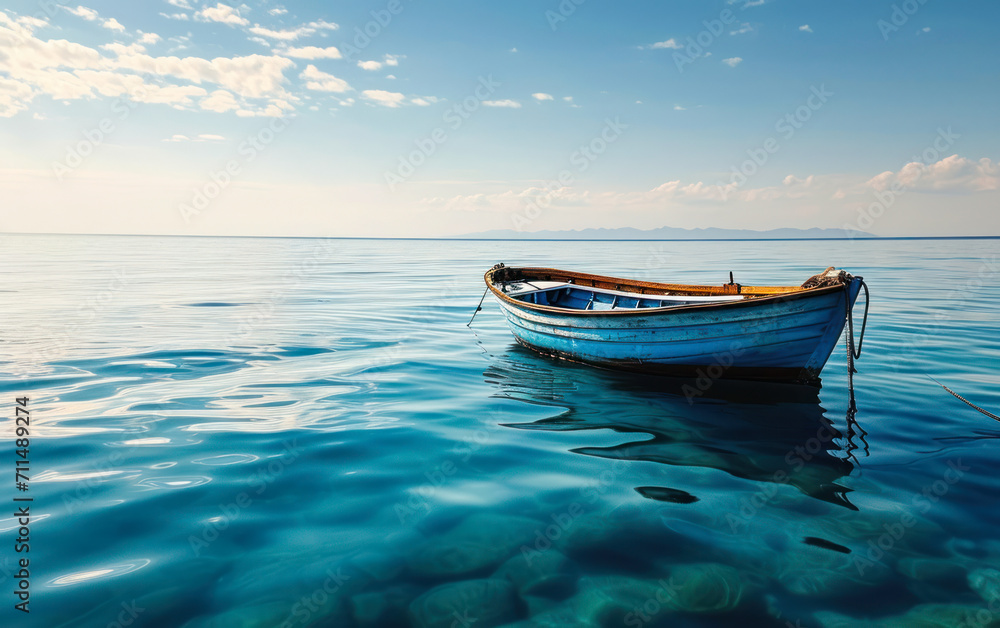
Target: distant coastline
570,237
671,233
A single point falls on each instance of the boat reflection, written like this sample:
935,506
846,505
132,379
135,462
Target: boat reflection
756,431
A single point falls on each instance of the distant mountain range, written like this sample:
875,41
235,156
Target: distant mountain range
669,233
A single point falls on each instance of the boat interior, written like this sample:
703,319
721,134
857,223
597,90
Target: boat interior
565,294
581,291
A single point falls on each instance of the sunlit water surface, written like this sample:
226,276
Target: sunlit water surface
255,432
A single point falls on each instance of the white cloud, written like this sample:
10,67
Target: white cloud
291,34
176,16
87,14
312,52
733,61
371,66
744,28
384,98
393,60
222,13
679,108
323,82
65,70
38,116
568,98
31,22
14,97
180,4
541,96
670,43
512,50
113,24
391,76
805,28
512,104
279,10
203,137
219,101
424,101
149,38
951,173
925,29
260,40
122,49
283,35
253,76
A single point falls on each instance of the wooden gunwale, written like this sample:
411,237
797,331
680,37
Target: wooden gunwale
758,294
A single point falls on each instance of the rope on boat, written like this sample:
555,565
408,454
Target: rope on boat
853,354
478,307
964,400
496,267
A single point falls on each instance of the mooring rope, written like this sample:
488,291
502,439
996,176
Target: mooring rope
964,400
853,354
478,307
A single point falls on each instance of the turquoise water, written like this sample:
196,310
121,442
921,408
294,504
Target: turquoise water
251,432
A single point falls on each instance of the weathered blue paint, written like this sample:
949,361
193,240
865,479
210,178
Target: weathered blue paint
784,336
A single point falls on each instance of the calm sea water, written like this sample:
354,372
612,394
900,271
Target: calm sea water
268,432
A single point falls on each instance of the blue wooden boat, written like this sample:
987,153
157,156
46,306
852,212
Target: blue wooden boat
777,333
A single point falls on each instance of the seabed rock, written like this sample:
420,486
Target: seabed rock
482,603
922,616
478,543
705,588
534,573
614,600
986,582
254,616
378,566
382,608
819,572
931,570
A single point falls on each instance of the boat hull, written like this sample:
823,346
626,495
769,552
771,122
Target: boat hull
784,338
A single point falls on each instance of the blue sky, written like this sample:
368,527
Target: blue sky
455,117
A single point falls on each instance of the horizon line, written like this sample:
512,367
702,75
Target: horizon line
524,239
